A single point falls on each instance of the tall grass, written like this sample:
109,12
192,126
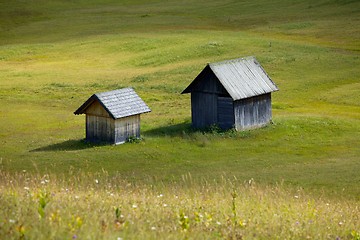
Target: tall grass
97,206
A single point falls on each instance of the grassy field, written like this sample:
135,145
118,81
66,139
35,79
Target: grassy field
55,54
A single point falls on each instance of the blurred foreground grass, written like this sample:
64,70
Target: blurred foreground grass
97,206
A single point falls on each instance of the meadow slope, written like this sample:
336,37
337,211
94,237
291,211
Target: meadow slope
55,54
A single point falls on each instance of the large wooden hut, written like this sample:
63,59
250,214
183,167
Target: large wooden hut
113,116
234,93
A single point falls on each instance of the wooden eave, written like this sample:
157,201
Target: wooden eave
91,100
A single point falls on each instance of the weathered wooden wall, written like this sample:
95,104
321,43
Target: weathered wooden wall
210,108
100,127
204,102
225,112
99,124
203,109
252,112
127,127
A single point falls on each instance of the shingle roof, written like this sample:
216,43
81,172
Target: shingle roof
242,78
118,103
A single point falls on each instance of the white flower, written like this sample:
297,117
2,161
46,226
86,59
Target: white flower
160,195
26,188
96,181
134,206
218,223
119,238
12,221
153,228
165,205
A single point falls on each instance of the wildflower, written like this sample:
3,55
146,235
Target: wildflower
119,238
134,206
96,181
74,236
218,223
26,188
341,223
160,195
12,221
296,196
165,205
153,228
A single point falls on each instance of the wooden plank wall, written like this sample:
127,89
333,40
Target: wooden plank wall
99,125
127,127
204,102
225,112
99,129
252,112
203,109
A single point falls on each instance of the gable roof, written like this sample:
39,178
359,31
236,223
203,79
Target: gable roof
242,78
118,103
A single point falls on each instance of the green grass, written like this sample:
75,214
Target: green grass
55,54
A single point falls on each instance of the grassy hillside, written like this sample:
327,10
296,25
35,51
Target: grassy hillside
55,54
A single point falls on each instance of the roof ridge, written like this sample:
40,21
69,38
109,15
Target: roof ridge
231,61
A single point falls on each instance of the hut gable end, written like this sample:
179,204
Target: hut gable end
211,85
96,109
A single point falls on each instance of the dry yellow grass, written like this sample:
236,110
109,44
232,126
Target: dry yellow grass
96,206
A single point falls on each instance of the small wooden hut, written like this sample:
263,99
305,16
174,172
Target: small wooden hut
231,94
113,116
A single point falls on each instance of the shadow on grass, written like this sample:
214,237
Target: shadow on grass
171,130
69,145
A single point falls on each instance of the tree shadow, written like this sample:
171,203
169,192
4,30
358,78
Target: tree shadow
69,145
171,130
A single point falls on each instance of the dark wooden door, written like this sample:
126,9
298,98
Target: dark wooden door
225,112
